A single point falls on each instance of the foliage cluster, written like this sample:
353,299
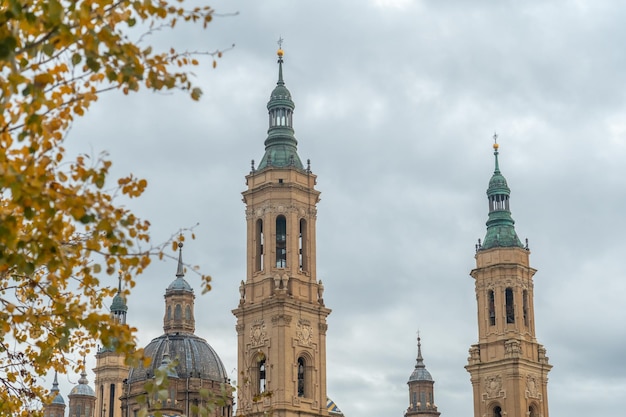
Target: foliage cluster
62,228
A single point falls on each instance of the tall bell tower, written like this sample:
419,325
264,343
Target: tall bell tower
281,317
508,367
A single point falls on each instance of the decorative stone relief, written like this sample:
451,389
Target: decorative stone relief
304,333
532,386
512,349
280,282
323,328
258,333
281,319
493,386
541,353
273,209
474,355
240,328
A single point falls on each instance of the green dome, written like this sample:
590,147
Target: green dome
281,146
498,185
500,224
118,304
280,97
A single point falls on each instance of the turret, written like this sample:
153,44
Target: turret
421,389
500,224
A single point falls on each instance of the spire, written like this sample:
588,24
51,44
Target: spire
180,283
83,388
55,383
179,301
281,145
420,373
500,224
58,399
420,360
280,54
118,306
179,270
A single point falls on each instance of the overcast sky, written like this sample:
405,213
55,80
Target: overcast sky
396,105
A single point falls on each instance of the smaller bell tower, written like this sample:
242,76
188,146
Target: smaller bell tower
421,389
508,367
111,370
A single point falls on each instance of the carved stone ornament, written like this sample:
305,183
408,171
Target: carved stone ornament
281,319
532,386
474,354
493,386
257,334
304,333
512,349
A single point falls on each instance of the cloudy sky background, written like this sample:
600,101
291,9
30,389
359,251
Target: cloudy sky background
396,105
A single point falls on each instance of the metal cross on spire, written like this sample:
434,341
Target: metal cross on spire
280,42
495,137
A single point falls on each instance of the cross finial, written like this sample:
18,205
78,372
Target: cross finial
280,42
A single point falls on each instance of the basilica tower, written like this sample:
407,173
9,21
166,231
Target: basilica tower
508,368
281,317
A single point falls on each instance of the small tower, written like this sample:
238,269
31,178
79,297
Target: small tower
57,407
82,398
421,389
179,302
508,368
111,370
281,317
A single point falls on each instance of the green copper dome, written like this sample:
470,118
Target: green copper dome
281,145
118,313
500,224
118,304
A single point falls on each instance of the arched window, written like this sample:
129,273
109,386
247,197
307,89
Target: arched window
262,376
414,402
303,250
497,411
281,242
510,309
112,400
532,412
259,245
525,306
169,312
301,382
492,308
178,312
